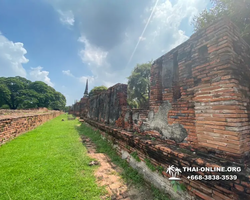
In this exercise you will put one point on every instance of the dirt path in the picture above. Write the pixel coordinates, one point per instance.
(108, 175)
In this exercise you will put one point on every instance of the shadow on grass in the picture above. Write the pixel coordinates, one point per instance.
(129, 174)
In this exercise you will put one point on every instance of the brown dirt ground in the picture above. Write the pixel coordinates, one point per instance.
(108, 175)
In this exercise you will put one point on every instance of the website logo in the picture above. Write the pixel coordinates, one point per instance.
(173, 172)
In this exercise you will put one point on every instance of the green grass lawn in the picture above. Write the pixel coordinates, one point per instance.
(47, 163)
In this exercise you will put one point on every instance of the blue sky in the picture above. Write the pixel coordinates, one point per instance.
(63, 42)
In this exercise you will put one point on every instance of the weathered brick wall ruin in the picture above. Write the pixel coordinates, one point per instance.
(15, 122)
(198, 115)
(107, 106)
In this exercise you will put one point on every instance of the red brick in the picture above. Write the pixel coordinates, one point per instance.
(239, 187)
(201, 195)
(199, 161)
(245, 184)
(228, 149)
(223, 189)
(219, 196)
(226, 132)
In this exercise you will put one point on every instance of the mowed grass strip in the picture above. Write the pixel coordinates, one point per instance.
(48, 162)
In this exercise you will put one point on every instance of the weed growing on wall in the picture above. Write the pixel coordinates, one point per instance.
(150, 165)
(178, 186)
(135, 156)
(160, 169)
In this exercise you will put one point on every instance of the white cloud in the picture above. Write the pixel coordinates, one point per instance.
(163, 34)
(66, 17)
(67, 72)
(96, 59)
(12, 56)
(36, 74)
(109, 84)
(109, 38)
(83, 79)
(142, 38)
(92, 54)
(167, 20)
(179, 38)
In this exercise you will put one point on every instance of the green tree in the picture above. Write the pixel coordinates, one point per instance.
(44, 93)
(97, 89)
(59, 102)
(139, 86)
(67, 108)
(237, 11)
(5, 106)
(30, 100)
(17, 92)
(11, 91)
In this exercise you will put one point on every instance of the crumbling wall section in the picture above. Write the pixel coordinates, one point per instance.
(109, 105)
(84, 105)
(206, 82)
(75, 109)
(199, 96)
(198, 112)
(222, 95)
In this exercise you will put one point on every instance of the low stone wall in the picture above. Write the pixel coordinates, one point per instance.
(13, 125)
(162, 154)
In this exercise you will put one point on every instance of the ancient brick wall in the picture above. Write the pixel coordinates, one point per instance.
(107, 106)
(205, 80)
(75, 109)
(15, 124)
(198, 115)
(84, 105)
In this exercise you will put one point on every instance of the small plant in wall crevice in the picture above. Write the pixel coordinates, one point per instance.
(160, 169)
(178, 186)
(136, 133)
(149, 164)
(135, 156)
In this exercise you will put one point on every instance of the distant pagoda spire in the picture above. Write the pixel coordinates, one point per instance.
(86, 93)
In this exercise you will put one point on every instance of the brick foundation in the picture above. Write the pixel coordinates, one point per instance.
(163, 154)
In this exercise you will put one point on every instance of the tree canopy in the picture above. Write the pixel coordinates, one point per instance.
(236, 10)
(20, 93)
(97, 89)
(139, 86)
(67, 108)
